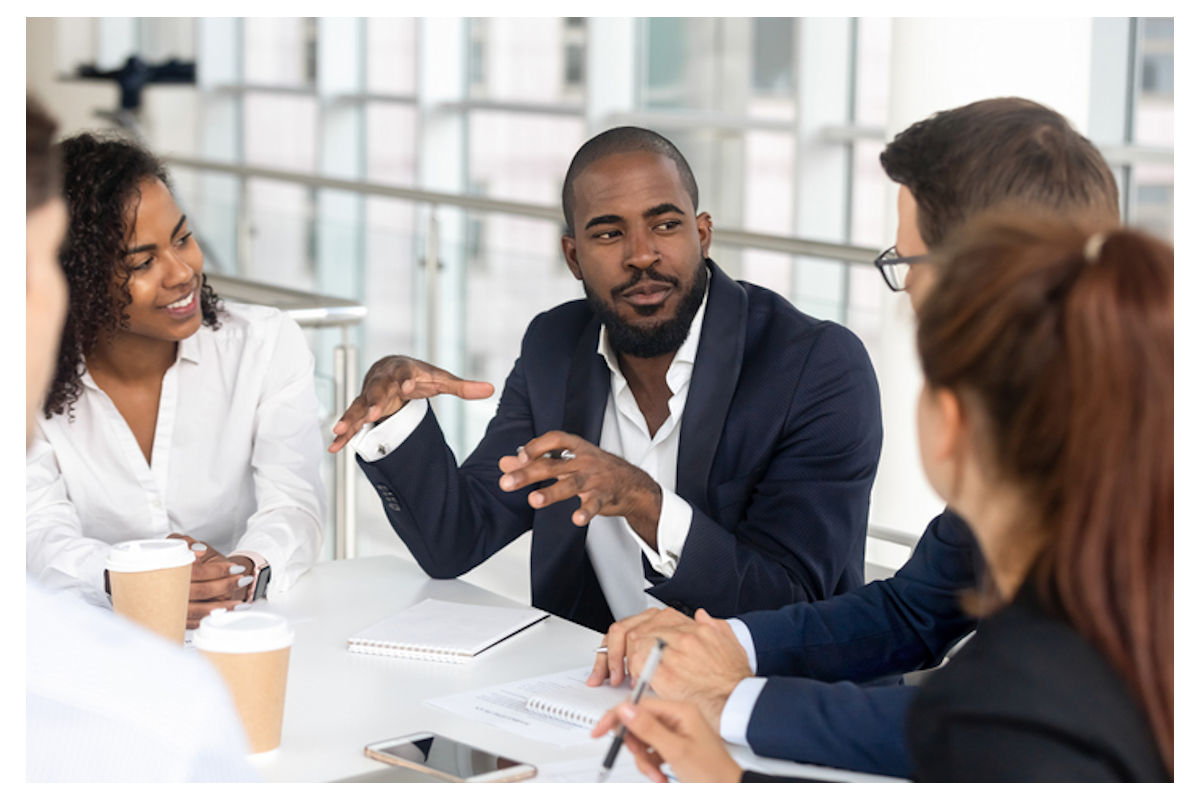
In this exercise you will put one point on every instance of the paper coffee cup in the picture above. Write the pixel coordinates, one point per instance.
(250, 649)
(150, 580)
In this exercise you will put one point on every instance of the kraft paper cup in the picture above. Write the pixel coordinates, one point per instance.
(150, 581)
(250, 649)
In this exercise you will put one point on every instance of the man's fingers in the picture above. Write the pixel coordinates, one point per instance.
(473, 390)
(599, 670)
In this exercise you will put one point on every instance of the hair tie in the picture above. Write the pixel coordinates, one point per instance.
(1093, 246)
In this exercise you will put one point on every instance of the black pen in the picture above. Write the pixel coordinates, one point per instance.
(638, 690)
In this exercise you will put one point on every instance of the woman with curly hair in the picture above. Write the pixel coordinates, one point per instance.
(170, 413)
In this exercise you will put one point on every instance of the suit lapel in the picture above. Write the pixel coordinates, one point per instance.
(588, 385)
(714, 377)
(572, 588)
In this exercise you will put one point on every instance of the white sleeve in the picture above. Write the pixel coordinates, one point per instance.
(674, 520)
(56, 551)
(285, 528)
(735, 717)
(745, 640)
(376, 440)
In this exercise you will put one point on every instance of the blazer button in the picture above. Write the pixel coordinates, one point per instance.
(394, 506)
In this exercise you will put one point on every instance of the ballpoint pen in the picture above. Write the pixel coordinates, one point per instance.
(638, 690)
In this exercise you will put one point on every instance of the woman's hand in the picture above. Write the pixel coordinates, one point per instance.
(663, 731)
(217, 581)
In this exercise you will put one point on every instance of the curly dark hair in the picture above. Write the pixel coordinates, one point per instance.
(101, 175)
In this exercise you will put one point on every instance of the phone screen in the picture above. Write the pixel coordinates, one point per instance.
(448, 756)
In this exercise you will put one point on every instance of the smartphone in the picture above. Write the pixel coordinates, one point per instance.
(448, 759)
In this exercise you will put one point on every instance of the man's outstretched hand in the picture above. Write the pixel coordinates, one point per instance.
(390, 383)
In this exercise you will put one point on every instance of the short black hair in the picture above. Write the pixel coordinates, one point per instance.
(1005, 151)
(626, 139)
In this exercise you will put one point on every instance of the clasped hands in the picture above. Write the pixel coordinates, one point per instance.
(605, 484)
(700, 667)
(218, 581)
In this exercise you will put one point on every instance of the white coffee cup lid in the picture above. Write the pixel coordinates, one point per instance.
(143, 555)
(243, 632)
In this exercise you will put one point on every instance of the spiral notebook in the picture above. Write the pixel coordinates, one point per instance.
(437, 630)
(567, 697)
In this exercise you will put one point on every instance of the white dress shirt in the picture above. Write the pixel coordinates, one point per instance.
(235, 460)
(735, 716)
(612, 546)
(108, 701)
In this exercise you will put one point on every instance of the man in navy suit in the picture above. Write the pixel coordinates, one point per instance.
(807, 703)
(677, 438)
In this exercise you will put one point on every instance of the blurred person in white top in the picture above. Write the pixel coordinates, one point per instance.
(169, 413)
(105, 700)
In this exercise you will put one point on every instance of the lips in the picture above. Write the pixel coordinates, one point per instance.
(648, 293)
(185, 305)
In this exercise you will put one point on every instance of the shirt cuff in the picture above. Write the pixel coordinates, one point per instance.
(745, 640)
(674, 521)
(376, 440)
(735, 717)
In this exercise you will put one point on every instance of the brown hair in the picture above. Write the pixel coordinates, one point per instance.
(1065, 342)
(1005, 151)
(42, 172)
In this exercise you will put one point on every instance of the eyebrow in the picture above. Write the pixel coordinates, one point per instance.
(661, 208)
(147, 247)
(611, 219)
(605, 219)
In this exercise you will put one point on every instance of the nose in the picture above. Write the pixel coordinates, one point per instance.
(180, 270)
(641, 249)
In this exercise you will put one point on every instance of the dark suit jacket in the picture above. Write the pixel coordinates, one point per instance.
(778, 447)
(810, 710)
(1029, 699)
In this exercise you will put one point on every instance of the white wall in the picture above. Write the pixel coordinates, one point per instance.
(938, 64)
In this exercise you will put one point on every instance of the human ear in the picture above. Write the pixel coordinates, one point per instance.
(704, 228)
(571, 254)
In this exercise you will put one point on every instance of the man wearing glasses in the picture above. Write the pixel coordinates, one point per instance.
(807, 703)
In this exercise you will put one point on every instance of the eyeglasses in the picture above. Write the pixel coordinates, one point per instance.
(894, 267)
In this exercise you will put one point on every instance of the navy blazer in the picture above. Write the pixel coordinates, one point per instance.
(778, 448)
(811, 709)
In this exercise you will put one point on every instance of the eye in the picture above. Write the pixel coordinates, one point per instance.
(606, 235)
(185, 240)
(141, 265)
(668, 225)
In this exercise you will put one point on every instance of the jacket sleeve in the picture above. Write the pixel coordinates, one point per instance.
(904, 623)
(451, 518)
(795, 527)
(839, 725)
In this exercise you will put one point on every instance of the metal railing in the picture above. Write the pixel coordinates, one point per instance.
(318, 311)
(313, 310)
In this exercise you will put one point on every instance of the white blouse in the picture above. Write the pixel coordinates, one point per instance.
(235, 460)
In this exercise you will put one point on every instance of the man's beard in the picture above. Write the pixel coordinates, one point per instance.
(666, 336)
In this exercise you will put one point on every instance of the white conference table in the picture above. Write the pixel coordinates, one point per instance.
(338, 701)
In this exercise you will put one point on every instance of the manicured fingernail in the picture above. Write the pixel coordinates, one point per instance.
(242, 606)
(245, 581)
(626, 712)
(236, 569)
(535, 499)
(506, 482)
(199, 547)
